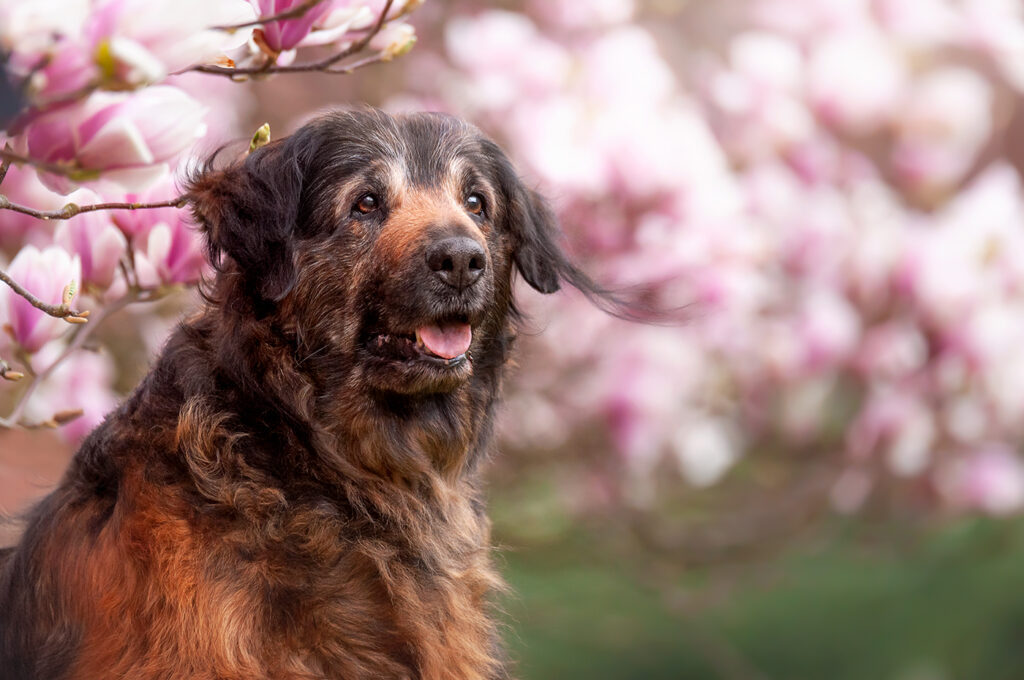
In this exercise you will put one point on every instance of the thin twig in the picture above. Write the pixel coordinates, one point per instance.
(72, 209)
(60, 311)
(294, 12)
(323, 65)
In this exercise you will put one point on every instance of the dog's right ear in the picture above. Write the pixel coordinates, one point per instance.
(248, 212)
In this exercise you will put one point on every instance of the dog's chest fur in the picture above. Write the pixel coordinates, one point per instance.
(285, 588)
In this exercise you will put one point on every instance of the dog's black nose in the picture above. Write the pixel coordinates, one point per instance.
(459, 261)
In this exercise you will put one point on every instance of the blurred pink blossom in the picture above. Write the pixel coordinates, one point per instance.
(62, 68)
(896, 424)
(394, 39)
(22, 186)
(119, 138)
(136, 224)
(990, 478)
(115, 44)
(583, 15)
(284, 34)
(97, 242)
(44, 274)
(167, 248)
(491, 48)
(82, 382)
(945, 119)
(855, 80)
(169, 253)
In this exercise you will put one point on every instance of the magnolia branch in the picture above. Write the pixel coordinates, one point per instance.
(72, 209)
(61, 311)
(324, 65)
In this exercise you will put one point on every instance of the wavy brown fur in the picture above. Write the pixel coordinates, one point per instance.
(274, 500)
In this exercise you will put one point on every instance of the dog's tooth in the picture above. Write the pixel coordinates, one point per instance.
(419, 340)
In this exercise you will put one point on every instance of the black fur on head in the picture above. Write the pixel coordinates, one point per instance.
(286, 226)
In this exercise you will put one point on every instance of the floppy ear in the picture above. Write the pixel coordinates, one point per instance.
(248, 212)
(532, 225)
(538, 258)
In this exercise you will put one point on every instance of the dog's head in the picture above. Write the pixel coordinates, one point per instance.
(389, 244)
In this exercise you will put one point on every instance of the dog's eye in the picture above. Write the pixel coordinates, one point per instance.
(367, 204)
(475, 204)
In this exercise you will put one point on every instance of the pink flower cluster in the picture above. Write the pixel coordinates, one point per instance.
(826, 198)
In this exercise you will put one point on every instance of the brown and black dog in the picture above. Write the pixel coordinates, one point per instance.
(293, 492)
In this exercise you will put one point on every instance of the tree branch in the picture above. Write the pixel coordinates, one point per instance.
(61, 311)
(323, 65)
(72, 209)
(294, 12)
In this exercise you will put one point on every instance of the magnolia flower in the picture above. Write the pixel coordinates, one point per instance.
(97, 242)
(82, 383)
(136, 224)
(167, 248)
(284, 34)
(169, 253)
(129, 139)
(45, 274)
(114, 44)
(394, 40)
(62, 68)
(135, 44)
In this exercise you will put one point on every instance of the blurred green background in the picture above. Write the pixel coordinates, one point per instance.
(849, 602)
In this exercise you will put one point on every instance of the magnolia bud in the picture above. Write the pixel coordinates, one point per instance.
(260, 138)
(69, 293)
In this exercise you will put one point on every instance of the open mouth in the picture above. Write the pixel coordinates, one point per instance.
(442, 343)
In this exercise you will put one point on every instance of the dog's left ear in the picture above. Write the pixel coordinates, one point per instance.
(249, 212)
(537, 256)
(531, 223)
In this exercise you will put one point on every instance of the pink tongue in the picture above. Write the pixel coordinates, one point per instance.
(447, 341)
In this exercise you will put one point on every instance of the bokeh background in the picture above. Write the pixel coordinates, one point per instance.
(818, 474)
